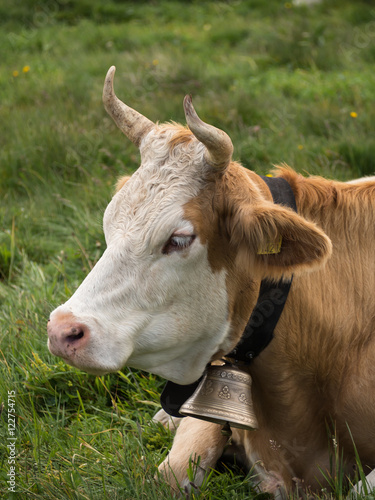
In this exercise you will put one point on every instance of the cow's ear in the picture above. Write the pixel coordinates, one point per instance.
(277, 240)
(121, 181)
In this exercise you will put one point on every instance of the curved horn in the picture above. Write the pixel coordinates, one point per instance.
(130, 122)
(219, 147)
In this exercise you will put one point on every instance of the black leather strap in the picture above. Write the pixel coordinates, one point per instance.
(175, 395)
(263, 320)
(281, 191)
(272, 295)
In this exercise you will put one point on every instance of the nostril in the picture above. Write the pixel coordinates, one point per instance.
(75, 334)
(67, 336)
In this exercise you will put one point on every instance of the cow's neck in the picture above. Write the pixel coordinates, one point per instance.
(258, 332)
(327, 310)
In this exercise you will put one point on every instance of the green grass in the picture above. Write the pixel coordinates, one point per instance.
(283, 81)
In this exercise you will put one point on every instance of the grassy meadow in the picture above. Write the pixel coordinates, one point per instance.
(288, 83)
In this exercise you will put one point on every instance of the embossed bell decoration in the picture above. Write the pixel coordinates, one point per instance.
(223, 396)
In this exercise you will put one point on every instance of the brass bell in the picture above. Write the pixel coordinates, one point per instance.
(223, 396)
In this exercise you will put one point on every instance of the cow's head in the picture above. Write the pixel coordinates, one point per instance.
(181, 270)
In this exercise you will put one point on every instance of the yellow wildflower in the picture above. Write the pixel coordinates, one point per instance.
(155, 62)
(25, 69)
(288, 5)
(300, 147)
(353, 114)
(15, 73)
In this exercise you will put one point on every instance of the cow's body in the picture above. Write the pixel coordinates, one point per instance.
(313, 387)
(180, 277)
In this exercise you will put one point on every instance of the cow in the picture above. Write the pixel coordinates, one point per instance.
(180, 276)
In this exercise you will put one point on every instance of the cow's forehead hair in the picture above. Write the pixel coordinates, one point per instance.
(172, 172)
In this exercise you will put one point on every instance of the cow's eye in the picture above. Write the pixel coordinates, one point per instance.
(178, 242)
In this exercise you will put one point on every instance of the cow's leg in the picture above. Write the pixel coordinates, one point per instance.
(166, 420)
(196, 447)
(266, 481)
(202, 443)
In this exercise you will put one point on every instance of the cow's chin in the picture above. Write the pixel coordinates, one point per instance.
(179, 370)
(174, 373)
(177, 378)
(91, 370)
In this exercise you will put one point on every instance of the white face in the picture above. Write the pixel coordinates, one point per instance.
(152, 301)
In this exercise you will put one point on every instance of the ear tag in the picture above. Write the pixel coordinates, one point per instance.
(271, 248)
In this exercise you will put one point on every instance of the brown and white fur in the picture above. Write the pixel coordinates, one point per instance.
(179, 278)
